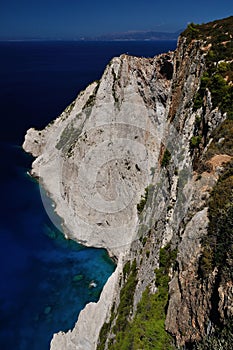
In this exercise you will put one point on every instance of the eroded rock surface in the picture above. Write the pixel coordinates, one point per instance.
(95, 159)
(121, 164)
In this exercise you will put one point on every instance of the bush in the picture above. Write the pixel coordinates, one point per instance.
(146, 197)
(195, 141)
(218, 248)
(166, 158)
(147, 330)
(142, 203)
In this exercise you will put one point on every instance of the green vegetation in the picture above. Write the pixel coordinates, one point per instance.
(142, 203)
(192, 31)
(167, 258)
(147, 330)
(91, 100)
(106, 328)
(221, 339)
(125, 307)
(126, 300)
(222, 140)
(217, 81)
(198, 101)
(222, 143)
(218, 33)
(126, 269)
(195, 141)
(218, 244)
(143, 240)
(144, 198)
(218, 76)
(166, 158)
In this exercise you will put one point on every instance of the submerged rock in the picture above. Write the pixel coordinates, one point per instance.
(47, 310)
(78, 278)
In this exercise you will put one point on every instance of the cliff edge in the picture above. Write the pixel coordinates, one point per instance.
(141, 164)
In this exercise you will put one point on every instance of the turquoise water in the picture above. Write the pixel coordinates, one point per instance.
(45, 279)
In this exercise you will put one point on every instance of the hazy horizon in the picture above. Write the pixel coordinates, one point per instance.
(62, 20)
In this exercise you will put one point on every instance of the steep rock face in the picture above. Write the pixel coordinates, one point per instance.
(95, 159)
(176, 213)
(124, 165)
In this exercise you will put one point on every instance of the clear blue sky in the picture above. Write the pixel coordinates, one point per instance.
(74, 18)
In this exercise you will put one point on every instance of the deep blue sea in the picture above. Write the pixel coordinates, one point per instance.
(44, 279)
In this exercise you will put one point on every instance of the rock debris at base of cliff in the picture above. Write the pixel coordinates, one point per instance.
(141, 164)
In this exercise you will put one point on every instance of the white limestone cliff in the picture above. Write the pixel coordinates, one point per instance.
(97, 159)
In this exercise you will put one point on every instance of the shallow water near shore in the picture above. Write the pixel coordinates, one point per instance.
(45, 279)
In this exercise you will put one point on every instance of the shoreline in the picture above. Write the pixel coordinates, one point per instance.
(104, 297)
(94, 160)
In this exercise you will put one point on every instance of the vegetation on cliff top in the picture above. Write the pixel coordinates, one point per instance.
(217, 37)
(217, 251)
(146, 330)
(217, 40)
(218, 79)
(218, 34)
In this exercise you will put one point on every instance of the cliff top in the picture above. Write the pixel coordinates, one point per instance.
(218, 34)
(218, 30)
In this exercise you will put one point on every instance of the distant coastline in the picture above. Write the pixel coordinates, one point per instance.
(124, 36)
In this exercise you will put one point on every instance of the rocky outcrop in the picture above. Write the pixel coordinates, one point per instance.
(125, 165)
(95, 159)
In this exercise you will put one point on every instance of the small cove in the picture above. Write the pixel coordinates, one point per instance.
(45, 279)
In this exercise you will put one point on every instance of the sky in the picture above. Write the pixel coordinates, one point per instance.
(72, 19)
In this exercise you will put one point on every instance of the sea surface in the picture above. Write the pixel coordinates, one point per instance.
(44, 278)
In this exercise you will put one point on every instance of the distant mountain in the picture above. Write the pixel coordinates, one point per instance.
(122, 36)
(136, 36)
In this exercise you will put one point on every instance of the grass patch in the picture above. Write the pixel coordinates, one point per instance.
(126, 299)
(147, 330)
(124, 309)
